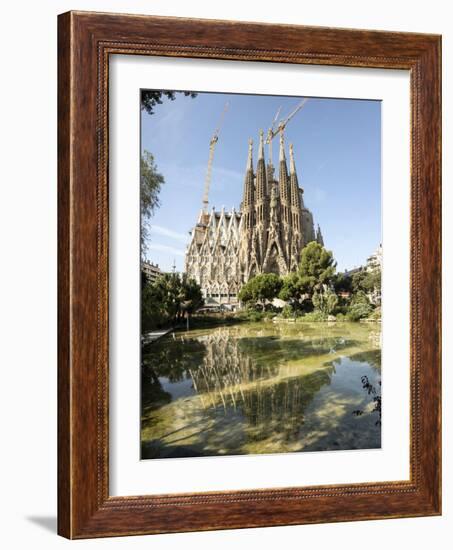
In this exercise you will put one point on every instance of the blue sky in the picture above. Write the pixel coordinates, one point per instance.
(337, 149)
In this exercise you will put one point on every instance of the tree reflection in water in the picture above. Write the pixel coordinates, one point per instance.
(255, 389)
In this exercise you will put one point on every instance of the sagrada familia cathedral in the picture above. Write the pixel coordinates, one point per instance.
(266, 235)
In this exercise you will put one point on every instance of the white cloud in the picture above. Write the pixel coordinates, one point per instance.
(163, 231)
(165, 248)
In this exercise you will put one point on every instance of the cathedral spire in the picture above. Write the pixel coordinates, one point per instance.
(295, 199)
(261, 179)
(292, 165)
(319, 237)
(293, 180)
(248, 198)
(250, 156)
(285, 199)
(283, 177)
(282, 147)
(261, 147)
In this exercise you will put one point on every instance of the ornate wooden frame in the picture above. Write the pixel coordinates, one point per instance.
(85, 41)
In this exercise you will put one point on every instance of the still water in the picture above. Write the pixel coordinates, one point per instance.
(262, 388)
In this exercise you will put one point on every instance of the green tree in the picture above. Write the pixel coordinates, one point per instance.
(317, 267)
(368, 282)
(361, 281)
(316, 272)
(293, 288)
(192, 296)
(245, 294)
(342, 283)
(360, 307)
(261, 288)
(151, 98)
(153, 313)
(325, 301)
(168, 300)
(170, 294)
(372, 280)
(150, 185)
(268, 286)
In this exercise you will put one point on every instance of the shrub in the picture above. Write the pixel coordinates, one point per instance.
(360, 307)
(314, 316)
(251, 315)
(358, 311)
(376, 314)
(287, 312)
(325, 301)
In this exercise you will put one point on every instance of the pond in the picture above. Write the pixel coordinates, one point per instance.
(264, 387)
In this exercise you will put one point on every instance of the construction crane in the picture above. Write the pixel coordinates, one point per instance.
(270, 133)
(281, 126)
(212, 144)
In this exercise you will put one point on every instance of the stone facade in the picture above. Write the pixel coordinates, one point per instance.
(266, 235)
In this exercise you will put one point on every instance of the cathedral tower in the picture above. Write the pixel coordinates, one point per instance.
(261, 206)
(296, 213)
(284, 187)
(266, 235)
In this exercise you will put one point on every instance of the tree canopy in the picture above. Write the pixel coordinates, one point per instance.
(293, 288)
(192, 296)
(366, 280)
(150, 184)
(342, 283)
(325, 302)
(360, 306)
(260, 288)
(169, 299)
(312, 289)
(317, 267)
(151, 98)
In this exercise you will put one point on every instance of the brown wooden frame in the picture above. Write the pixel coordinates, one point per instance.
(85, 41)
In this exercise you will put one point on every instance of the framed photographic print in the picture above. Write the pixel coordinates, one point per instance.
(249, 275)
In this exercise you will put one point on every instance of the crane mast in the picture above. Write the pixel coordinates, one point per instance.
(212, 144)
(272, 132)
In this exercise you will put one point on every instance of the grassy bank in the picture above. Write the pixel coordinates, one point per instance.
(202, 321)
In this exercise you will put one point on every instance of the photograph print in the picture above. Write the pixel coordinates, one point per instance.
(261, 262)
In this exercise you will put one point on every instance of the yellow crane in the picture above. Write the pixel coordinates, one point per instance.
(272, 132)
(212, 144)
